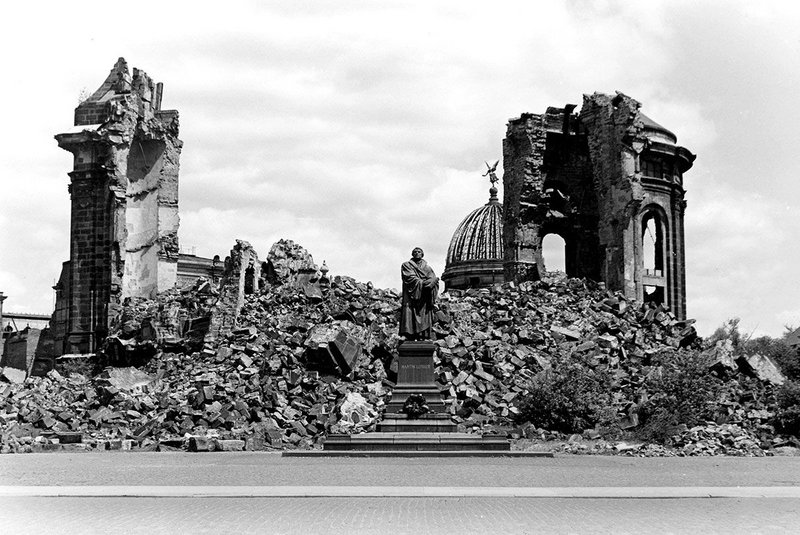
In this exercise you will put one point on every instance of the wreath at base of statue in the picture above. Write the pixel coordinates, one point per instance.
(415, 406)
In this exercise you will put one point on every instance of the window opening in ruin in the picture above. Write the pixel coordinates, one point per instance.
(474, 282)
(653, 245)
(249, 280)
(654, 294)
(653, 168)
(557, 200)
(554, 255)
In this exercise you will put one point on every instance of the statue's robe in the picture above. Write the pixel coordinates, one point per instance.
(420, 287)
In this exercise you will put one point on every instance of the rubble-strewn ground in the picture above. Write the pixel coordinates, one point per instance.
(309, 356)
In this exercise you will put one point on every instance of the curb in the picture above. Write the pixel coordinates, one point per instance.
(394, 492)
(414, 453)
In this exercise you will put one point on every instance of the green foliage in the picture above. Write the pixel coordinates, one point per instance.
(569, 397)
(683, 393)
(728, 331)
(786, 357)
(788, 413)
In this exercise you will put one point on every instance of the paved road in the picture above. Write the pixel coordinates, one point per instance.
(121, 468)
(397, 515)
(265, 494)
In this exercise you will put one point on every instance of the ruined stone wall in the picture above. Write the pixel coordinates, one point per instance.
(580, 176)
(124, 190)
(242, 276)
(523, 160)
(612, 132)
(569, 193)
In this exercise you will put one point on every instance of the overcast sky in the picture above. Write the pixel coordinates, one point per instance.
(359, 129)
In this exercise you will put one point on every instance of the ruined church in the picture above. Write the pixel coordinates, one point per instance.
(124, 217)
(608, 180)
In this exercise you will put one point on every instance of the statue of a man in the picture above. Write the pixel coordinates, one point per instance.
(420, 287)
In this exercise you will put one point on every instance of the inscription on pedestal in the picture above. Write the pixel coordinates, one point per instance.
(415, 370)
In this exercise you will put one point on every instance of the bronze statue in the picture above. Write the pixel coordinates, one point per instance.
(491, 172)
(420, 287)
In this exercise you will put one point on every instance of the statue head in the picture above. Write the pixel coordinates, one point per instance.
(417, 253)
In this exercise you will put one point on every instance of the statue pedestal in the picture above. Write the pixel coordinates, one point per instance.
(434, 431)
(415, 376)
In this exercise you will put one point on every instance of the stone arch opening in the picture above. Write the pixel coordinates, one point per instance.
(653, 243)
(554, 253)
(654, 255)
(249, 280)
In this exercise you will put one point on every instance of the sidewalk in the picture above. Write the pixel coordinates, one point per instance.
(322, 491)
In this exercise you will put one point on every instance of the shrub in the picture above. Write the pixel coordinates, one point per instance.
(728, 331)
(683, 393)
(569, 397)
(788, 413)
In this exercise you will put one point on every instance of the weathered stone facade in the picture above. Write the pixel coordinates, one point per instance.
(124, 192)
(606, 180)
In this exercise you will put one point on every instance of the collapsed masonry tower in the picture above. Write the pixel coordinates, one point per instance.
(609, 181)
(124, 217)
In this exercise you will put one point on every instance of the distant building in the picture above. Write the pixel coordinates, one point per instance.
(191, 267)
(18, 321)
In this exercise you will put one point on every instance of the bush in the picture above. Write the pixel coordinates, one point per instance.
(728, 331)
(788, 413)
(683, 393)
(569, 397)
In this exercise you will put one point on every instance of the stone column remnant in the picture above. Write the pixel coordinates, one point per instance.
(124, 191)
(241, 277)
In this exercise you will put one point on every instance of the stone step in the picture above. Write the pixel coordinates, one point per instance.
(401, 424)
(381, 441)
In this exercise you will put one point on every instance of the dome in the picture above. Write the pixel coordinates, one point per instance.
(656, 132)
(475, 255)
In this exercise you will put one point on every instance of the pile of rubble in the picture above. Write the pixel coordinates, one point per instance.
(283, 359)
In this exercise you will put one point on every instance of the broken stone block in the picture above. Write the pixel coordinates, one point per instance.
(761, 367)
(231, 445)
(569, 334)
(14, 375)
(721, 357)
(275, 438)
(199, 443)
(331, 347)
(124, 378)
(66, 437)
(285, 261)
(345, 350)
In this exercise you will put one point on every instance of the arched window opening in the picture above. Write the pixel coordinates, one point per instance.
(653, 245)
(554, 253)
(249, 280)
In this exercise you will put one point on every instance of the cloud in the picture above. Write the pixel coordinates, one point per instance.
(740, 257)
(360, 129)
